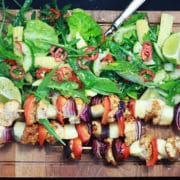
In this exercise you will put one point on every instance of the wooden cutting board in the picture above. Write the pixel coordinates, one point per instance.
(18, 160)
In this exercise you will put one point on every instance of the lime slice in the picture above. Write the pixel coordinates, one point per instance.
(171, 48)
(8, 90)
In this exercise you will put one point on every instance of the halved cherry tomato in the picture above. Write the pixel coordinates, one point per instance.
(76, 145)
(30, 106)
(131, 106)
(42, 133)
(40, 73)
(55, 12)
(121, 126)
(91, 57)
(107, 107)
(147, 72)
(154, 156)
(58, 53)
(17, 72)
(83, 132)
(60, 102)
(108, 58)
(125, 151)
(10, 62)
(146, 53)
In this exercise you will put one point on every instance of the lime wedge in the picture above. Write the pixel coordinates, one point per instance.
(8, 90)
(171, 48)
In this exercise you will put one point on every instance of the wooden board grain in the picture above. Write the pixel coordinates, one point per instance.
(18, 160)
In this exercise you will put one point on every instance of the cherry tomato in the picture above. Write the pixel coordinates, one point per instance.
(154, 156)
(146, 53)
(178, 66)
(40, 73)
(30, 109)
(83, 132)
(147, 72)
(107, 107)
(91, 57)
(17, 72)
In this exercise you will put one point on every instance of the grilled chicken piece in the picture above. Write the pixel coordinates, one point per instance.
(130, 131)
(173, 147)
(9, 112)
(167, 149)
(45, 110)
(114, 101)
(108, 152)
(155, 110)
(30, 135)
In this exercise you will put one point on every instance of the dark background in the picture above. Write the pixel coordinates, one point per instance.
(105, 4)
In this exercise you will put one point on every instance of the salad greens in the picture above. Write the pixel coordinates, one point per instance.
(82, 23)
(76, 39)
(36, 32)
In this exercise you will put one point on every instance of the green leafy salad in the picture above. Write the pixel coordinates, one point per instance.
(62, 50)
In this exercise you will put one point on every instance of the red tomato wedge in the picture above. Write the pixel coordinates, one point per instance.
(76, 147)
(42, 133)
(154, 156)
(60, 102)
(107, 107)
(83, 133)
(146, 53)
(30, 109)
(121, 126)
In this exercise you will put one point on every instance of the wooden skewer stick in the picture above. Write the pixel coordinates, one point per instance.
(20, 110)
(61, 147)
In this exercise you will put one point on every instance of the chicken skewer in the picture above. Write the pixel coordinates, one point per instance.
(113, 150)
(74, 110)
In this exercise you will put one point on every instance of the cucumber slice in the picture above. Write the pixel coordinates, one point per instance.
(137, 47)
(97, 65)
(28, 58)
(158, 51)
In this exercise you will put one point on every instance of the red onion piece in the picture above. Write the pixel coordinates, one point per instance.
(86, 113)
(177, 115)
(96, 100)
(5, 134)
(139, 129)
(69, 109)
(121, 109)
(99, 148)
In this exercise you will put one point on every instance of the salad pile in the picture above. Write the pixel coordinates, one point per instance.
(67, 52)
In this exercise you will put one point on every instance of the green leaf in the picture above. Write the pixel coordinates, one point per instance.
(82, 22)
(51, 131)
(132, 20)
(37, 33)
